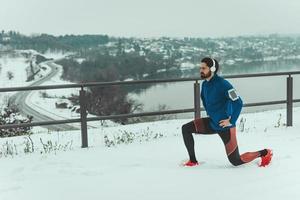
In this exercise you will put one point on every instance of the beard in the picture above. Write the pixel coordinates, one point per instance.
(204, 76)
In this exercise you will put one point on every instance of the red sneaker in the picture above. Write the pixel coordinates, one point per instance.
(190, 164)
(265, 160)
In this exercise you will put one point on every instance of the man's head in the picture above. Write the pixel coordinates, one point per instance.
(208, 67)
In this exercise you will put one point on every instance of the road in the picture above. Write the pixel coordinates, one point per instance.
(19, 100)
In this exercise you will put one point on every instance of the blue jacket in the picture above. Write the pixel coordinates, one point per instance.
(220, 102)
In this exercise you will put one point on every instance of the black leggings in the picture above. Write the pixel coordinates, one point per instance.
(201, 126)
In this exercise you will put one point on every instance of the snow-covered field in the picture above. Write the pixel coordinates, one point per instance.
(148, 166)
(16, 64)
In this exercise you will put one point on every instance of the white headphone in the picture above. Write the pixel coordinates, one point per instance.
(213, 68)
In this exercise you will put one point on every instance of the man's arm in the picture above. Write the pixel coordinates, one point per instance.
(234, 103)
(234, 106)
(203, 100)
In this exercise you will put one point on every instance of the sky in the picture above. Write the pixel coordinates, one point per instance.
(151, 18)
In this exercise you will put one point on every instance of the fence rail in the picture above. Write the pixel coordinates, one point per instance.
(197, 108)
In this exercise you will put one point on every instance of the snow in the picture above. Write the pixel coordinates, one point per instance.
(271, 58)
(16, 64)
(128, 79)
(145, 75)
(129, 50)
(161, 70)
(47, 106)
(187, 66)
(150, 169)
(146, 165)
(80, 60)
(229, 62)
(56, 54)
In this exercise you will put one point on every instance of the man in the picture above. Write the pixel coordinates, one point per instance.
(223, 106)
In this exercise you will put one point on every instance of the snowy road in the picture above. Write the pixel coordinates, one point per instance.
(19, 99)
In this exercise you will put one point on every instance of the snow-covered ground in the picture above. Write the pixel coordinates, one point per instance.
(148, 166)
(16, 63)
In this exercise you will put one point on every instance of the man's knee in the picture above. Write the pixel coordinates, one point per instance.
(186, 128)
(235, 160)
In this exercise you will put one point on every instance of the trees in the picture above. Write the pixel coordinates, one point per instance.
(110, 100)
(102, 100)
(11, 115)
(43, 42)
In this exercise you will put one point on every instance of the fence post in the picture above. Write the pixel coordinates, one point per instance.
(83, 114)
(289, 96)
(197, 99)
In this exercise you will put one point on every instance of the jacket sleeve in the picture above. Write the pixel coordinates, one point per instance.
(234, 103)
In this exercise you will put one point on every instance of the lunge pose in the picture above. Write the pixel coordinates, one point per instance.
(223, 106)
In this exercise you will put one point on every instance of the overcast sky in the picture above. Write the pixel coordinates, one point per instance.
(151, 18)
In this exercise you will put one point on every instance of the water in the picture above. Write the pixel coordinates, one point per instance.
(259, 89)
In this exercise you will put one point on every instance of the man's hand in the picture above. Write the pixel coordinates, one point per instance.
(225, 122)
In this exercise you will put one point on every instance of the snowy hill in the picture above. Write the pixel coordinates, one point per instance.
(147, 167)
